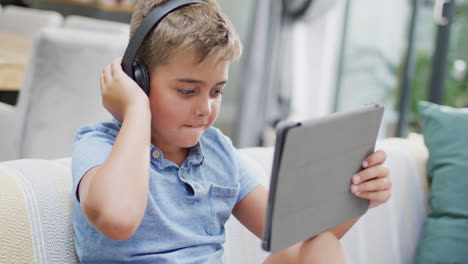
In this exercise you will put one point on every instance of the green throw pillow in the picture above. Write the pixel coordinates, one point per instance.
(445, 235)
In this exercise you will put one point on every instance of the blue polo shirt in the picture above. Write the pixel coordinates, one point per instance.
(187, 206)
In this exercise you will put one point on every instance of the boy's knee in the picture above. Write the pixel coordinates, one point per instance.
(325, 238)
(324, 246)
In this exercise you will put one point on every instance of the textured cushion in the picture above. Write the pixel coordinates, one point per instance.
(35, 212)
(445, 235)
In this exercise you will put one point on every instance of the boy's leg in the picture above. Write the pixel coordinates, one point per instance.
(323, 248)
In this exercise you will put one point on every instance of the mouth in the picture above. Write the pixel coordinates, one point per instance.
(195, 125)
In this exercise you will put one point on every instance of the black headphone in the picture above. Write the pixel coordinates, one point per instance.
(134, 67)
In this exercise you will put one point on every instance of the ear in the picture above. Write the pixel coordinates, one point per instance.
(142, 77)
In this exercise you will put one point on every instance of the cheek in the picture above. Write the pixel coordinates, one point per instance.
(215, 107)
(167, 112)
(162, 102)
(161, 111)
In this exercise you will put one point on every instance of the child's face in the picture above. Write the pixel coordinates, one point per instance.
(185, 98)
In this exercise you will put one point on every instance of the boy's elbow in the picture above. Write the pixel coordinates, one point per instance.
(114, 225)
(118, 230)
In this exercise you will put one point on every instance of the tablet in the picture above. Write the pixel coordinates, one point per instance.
(310, 183)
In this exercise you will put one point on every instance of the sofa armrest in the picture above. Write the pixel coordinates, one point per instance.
(414, 146)
(36, 212)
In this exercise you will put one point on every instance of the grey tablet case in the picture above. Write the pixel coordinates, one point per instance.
(311, 176)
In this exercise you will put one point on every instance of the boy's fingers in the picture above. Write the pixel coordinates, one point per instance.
(378, 157)
(116, 66)
(101, 80)
(379, 171)
(376, 198)
(378, 184)
(107, 75)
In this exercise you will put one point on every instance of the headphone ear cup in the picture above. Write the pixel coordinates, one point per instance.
(141, 75)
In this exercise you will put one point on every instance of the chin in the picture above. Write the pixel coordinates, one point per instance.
(188, 144)
(189, 141)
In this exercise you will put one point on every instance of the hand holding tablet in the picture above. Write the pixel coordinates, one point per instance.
(311, 177)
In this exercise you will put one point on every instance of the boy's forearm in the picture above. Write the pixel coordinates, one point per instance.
(119, 188)
(341, 230)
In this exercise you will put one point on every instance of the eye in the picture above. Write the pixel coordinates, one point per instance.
(217, 92)
(186, 91)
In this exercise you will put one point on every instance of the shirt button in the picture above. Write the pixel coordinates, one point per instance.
(156, 154)
(183, 175)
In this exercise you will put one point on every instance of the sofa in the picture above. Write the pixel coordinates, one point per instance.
(36, 211)
(58, 97)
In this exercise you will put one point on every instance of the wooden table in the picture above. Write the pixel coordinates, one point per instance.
(96, 5)
(14, 50)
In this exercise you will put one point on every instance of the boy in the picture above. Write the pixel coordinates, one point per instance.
(157, 183)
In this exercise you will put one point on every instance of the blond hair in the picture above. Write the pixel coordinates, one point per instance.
(203, 28)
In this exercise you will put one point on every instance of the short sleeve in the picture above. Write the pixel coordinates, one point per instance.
(91, 147)
(247, 178)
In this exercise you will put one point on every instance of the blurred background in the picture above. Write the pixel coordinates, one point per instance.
(302, 59)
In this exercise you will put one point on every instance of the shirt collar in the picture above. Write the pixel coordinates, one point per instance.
(195, 156)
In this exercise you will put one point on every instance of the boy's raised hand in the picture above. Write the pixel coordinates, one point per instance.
(120, 93)
(373, 182)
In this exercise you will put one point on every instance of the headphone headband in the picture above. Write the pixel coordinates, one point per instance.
(145, 27)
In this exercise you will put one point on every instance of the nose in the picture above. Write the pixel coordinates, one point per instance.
(203, 107)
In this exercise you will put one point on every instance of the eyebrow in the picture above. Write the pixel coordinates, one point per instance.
(190, 80)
